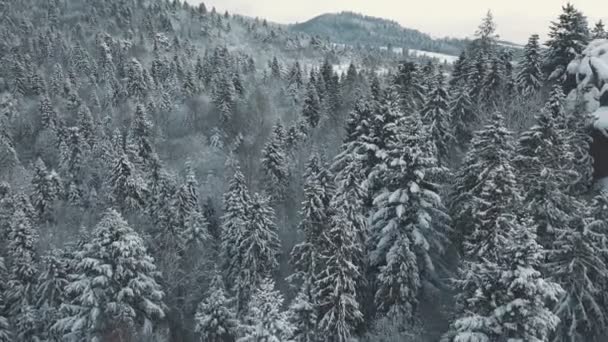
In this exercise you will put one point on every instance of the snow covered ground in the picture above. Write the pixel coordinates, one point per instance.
(442, 57)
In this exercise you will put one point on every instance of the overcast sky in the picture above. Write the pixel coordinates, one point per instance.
(516, 19)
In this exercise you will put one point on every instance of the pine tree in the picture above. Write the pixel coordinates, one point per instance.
(48, 116)
(50, 292)
(506, 298)
(136, 82)
(274, 163)
(257, 250)
(568, 35)
(435, 116)
(86, 125)
(409, 220)
(485, 189)
(599, 31)
(128, 191)
(46, 190)
(264, 320)
(410, 87)
(339, 313)
(530, 76)
(312, 106)
(462, 115)
(214, 320)
(576, 262)
(303, 315)
(318, 191)
(113, 290)
(237, 204)
(23, 274)
(141, 135)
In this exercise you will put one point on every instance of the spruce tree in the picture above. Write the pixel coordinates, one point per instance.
(46, 188)
(257, 250)
(113, 290)
(530, 76)
(599, 31)
(435, 116)
(274, 163)
(339, 312)
(214, 320)
(462, 115)
(50, 292)
(264, 320)
(506, 298)
(237, 204)
(568, 36)
(576, 262)
(303, 314)
(23, 276)
(485, 188)
(312, 106)
(318, 191)
(410, 224)
(128, 191)
(141, 135)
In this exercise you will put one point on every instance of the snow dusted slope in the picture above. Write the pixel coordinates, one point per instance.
(443, 58)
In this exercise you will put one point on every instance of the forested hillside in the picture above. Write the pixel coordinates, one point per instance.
(170, 173)
(356, 29)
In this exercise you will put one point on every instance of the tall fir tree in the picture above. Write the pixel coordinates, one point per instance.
(410, 224)
(257, 250)
(530, 76)
(435, 115)
(568, 36)
(274, 163)
(23, 276)
(462, 114)
(339, 311)
(599, 31)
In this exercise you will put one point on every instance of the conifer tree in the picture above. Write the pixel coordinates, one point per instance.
(318, 191)
(23, 274)
(46, 190)
(485, 189)
(86, 125)
(136, 82)
(568, 35)
(50, 292)
(435, 116)
(576, 263)
(274, 163)
(127, 188)
(462, 114)
(257, 250)
(530, 77)
(410, 224)
(113, 290)
(506, 298)
(599, 31)
(237, 204)
(214, 320)
(312, 106)
(410, 87)
(339, 312)
(141, 134)
(264, 320)
(303, 314)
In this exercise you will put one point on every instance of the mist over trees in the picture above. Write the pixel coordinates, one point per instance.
(169, 172)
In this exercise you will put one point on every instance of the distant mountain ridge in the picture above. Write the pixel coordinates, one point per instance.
(357, 29)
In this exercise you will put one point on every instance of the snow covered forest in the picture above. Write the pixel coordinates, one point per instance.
(172, 173)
